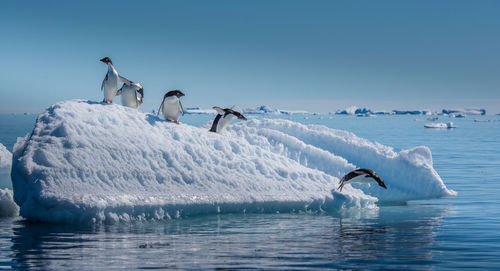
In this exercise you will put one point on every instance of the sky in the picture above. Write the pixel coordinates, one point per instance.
(318, 56)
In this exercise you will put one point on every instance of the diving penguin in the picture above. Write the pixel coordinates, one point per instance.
(110, 83)
(361, 175)
(223, 118)
(171, 106)
(129, 94)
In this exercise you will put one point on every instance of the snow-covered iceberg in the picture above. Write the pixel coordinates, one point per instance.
(91, 162)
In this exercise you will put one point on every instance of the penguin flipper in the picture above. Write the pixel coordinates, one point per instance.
(124, 80)
(219, 110)
(102, 85)
(182, 109)
(160, 108)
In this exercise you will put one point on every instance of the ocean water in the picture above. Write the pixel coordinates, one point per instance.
(444, 234)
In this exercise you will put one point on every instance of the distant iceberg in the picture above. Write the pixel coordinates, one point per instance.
(197, 110)
(464, 112)
(413, 112)
(88, 162)
(440, 125)
(353, 110)
(263, 109)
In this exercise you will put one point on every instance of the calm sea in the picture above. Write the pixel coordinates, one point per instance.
(444, 234)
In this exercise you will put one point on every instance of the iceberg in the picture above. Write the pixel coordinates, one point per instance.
(353, 110)
(5, 166)
(263, 109)
(197, 110)
(88, 162)
(412, 112)
(440, 125)
(464, 112)
(7, 205)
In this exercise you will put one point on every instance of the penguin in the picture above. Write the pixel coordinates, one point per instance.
(223, 118)
(110, 83)
(171, 106)
(361, 175)
(129, 94)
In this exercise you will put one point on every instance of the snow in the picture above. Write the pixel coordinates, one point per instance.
(88, 162)
(440, 125)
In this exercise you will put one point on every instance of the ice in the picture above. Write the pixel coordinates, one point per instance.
(7, 205)
(263, 109)
(5, 166)
(440, 125)
(197, 110)
(353, 110)
(464, 112)
(88, 162)
(409, 174)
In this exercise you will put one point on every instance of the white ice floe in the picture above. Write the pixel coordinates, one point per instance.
(91, 162)
(440, 125)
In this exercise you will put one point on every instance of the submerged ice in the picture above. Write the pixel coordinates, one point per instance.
(91, 162)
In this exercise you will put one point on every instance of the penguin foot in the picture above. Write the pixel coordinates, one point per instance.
(177, 122)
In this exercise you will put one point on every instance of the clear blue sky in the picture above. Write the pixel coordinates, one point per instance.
(313, 55)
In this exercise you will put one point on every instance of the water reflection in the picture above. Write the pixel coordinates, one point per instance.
(391, 237)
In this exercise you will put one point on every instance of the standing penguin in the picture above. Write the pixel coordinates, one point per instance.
(129, 94)
(223, 118)
(171, 106)
(110, 83)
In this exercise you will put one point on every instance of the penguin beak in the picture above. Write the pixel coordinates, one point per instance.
(382, 184)
(103, 60)
(242, 117)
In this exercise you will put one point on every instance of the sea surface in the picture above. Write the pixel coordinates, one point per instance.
(462, 232)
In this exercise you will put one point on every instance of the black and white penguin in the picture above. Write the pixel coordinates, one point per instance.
(110, 83)
(129, 94)
(171, 106)
(361, 175)
(223, 118)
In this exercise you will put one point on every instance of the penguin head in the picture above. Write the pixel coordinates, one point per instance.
(176, 93)
(106, 60)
